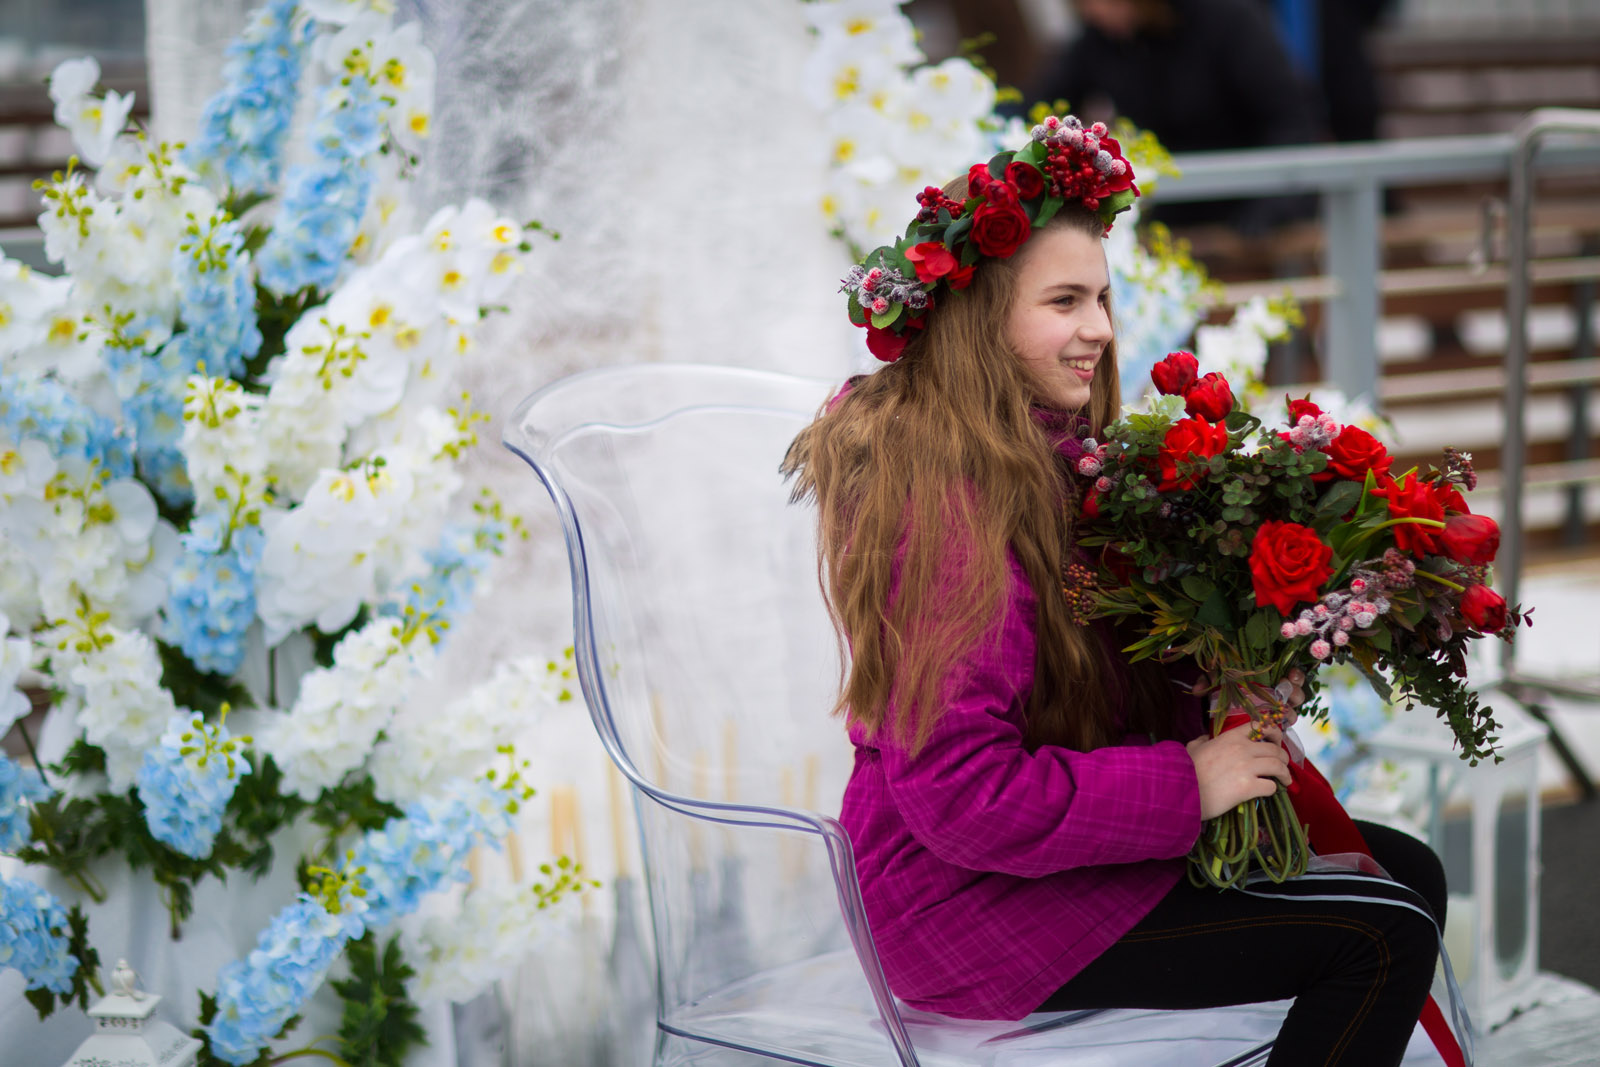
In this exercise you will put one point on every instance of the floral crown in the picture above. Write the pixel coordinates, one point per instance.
(892, 289)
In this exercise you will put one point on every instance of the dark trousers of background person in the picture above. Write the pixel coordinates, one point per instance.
(1359, 970)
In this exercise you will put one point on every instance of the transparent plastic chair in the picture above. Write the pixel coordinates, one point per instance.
(709, 665)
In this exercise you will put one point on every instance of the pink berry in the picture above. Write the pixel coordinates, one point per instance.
(1320, 649)
(1288, 630)
(1341, 638)
(1302, 626)
(1103, 484)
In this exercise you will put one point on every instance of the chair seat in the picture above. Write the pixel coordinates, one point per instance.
(793, 1012)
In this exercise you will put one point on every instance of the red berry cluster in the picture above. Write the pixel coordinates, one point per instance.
(932, 199)
(1073, 175)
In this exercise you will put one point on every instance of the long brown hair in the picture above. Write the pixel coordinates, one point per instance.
(937, 459)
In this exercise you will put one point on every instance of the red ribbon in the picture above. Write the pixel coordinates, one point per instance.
(1330, 830)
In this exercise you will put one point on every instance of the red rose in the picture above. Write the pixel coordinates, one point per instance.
(1413, 499)
(1484, 608)
(999, 229)
(1288, 564)
(1209, 398)
(1470, 539)
(1174, 374)
(1186, 438)
(886, 344)
(1027, 179)
(1353, 453)
(1298, 408)
(932, 260)
(978, 177)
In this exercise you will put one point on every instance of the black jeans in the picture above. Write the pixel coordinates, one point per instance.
(1359, 970)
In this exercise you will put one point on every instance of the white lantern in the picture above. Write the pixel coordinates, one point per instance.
(1492, 929)
(125, 1035)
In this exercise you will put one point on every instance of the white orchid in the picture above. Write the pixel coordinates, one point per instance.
(875, 26)
(93, 122)
(954, 89)
(28, 300)
(222, 442)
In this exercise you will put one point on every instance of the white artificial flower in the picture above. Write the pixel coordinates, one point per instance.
(341, 710)
(68, 345)
(954, 89)
(222, 432)
(19, 588)
(424, 750)
(341, 12)
(840, 71)
(125, 708)
(28, 299)
(73, 79)
(93, 122)
(403, 70)
(317, 563)
(389, 211)
(458, 955)
(873, 26)
(303, 434)
(16, 653)
(858, 139)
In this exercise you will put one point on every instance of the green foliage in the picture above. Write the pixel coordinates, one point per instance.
(379, 1025)
(196, 689)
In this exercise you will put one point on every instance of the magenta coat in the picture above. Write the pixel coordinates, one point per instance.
(991, 875)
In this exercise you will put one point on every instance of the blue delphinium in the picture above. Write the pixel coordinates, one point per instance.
(256, 996)
(324, 200)
(243, 127)
(427, 848)
(186, 781)
(457, 562)
(33, 936)
(156, 410)
(45, 410)
(212, 592)
(19, 787)
(216, 297)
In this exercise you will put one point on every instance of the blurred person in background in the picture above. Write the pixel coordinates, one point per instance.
(1203, 76)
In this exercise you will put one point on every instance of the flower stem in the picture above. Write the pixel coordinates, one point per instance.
(33, 753)
(1420, 573)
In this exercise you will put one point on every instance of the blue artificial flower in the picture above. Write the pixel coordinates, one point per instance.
(324, 200)
(19, 787)
(257, 995)
(185, 783)
(243, 127)
(33, 936)
(217, 300)
(43, 409)
(427, 848)
(458, 562)
(212, 592)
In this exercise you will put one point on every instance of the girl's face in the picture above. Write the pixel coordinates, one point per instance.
(1060, 321)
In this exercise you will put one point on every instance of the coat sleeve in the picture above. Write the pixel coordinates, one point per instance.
(977, 798)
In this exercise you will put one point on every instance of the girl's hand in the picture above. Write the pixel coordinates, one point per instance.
(1232, 768)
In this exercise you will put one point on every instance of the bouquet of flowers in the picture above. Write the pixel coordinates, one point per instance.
(231, 477)
(1266, 553)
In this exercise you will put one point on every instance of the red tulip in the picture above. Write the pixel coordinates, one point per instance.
(1175, 374)
(1484, 608)
(1470, 539)
(1209, 398)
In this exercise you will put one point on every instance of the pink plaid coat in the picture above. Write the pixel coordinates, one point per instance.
(991, 875)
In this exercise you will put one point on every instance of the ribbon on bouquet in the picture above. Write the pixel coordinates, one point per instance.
(1331, 831)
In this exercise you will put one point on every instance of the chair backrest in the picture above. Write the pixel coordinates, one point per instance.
(709, 666)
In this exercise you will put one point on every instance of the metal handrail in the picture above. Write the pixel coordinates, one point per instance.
(1350, 178)
(1529, 134)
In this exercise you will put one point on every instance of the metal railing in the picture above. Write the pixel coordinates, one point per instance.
(1351, 179)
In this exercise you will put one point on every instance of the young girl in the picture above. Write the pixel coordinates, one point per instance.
(1023, 797)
